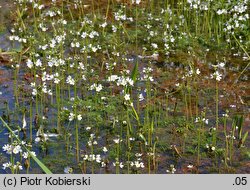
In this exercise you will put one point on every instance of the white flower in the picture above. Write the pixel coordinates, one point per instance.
(6, 147)
(221, 65)
(216, 75)
(197, 119)
(112, 78)
(198, 71)
(94, 49)
(177, 84)
(137, 164)
(77, 44)
(85, 157)
(17, 149)
(205, 120)
(71, 116)
(88, 128)
(79, 117)
(99, 88)
(103, 98)
(38, 63)
(136, 2)
(16, 38)
(34, 92)
(213, 148)
(56, 80)
(53, 43)
(92, 157)
(225, 115)
(117, 140)
(72, 44)
(29, 63)
(32, 84)
(172, 169)
(70, 80)
(84, 77)
(64, 22)
(33, 153)
(151, 78)
(92, 135)
(141, 98)
(154, 45)
(127, 97)
(104, 25)
(37, 139)
(142, 164)
(25, 155)
(138, 154)
(103, 164)
(121, 165)
(90, 143)
(105, 149)
(98, 158)
(130, 81)
(114, 29)
(6, 165)
(221, 11)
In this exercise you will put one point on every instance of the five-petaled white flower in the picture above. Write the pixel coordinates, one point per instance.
(127, 97)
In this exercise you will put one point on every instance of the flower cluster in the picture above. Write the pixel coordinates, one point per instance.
(171, 170)
(15, 149)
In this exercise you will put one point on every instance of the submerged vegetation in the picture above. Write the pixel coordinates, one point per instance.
(126, 86)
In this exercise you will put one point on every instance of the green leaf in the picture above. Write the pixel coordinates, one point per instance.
(142, 137)
(244, 137)
(152, 126)
(135, 72)
(240, 126)
(133, 75)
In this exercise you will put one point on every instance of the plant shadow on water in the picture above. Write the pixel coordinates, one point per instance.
(124, 87)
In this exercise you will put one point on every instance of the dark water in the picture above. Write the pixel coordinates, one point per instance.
(55, 157)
